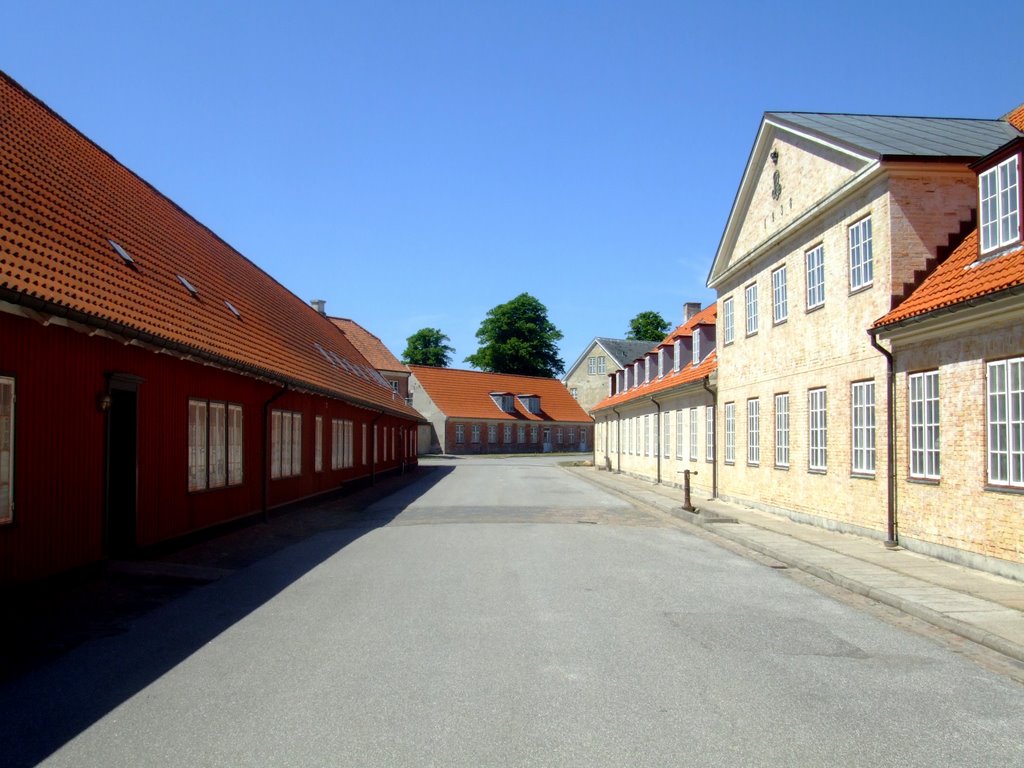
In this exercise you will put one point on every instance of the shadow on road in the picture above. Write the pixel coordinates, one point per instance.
(130, 627)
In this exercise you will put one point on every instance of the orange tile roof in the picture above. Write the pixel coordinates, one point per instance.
(1016, 118)
(370, 346)
(467, 394)
(685, 375)
(960, 278)
(62, 198)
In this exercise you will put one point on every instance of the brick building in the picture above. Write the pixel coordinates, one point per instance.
(836, 221)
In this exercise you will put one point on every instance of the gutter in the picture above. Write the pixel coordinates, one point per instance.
(705, 382)
(891, 526)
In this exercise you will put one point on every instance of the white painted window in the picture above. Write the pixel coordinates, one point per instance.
(730, 433)
(861, 261)
(591, 366)
(728, 320)
(679, 433)
(507, 433)
(1006, 422)
(7, 449)
(753, 431)
(492, 433)
(780, 301)
(342, 443)
(782, 430)
(522, 434)
(318, 444)
(694, 429)
(862, 413)
(817, 404)
(571, 435)
(601, 364)
(1000, 205)
(647, 434)
(533, 434)
(214, 444)
(816, 277)
(666, 431)
(285, 444)
(365, 456)
(475, 433)
(709, 433)
(460, 433)
(574, 393)
(750, 294)
(558, 436)
(924, 424)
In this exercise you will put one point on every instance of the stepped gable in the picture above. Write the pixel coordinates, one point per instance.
(85, 239)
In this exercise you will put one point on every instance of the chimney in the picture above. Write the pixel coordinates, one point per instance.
(320, 305)
(690, 309)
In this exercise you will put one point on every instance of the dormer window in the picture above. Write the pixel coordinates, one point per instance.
(530, 402)
(505, 401)
(696, 347)
(999, 190)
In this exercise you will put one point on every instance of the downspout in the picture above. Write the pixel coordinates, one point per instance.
(618, 441)
(891, 525)
(265, 505)
(658, 437)
(714, 435)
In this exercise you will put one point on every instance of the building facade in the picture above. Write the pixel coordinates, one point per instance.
(838, 218)
(153, 381)
(376, 353)
(587, 379)
(473, 412)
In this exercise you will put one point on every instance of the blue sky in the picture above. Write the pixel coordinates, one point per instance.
(417, 163)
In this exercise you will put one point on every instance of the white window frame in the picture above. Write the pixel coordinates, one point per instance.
(285, 444)
(215, 445)
(730, 433)
(1005, 417)
(601, 365)
(666, 438)
(342, 444)
(753, 431)
(923, 404)
(728, 321)
(492, 434)
(521, 434)
(318, 444)
(862, 268)
(780, 301)
(709, 436)
(591, 366)
(862, 427)
(693, 434)
(817, 428)
(460, 434)
(782, 430)
(475, 434)
(815, 262)
(679, 434)
(506, 434)
(647, 434)
(999, 205)
(7, 416)
(750, 302)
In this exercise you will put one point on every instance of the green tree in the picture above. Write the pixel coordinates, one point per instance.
(648, 326)
(517, 337)
(428, 346)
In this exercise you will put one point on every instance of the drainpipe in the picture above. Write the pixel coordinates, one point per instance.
(618, 441)
(265, 505)
(891, 526)
(706, 381)
(658, 438)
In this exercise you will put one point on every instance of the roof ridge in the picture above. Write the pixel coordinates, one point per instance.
(895, 117)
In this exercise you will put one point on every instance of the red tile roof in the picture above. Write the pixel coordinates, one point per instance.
(960, 278)
(686, 375)
(370, 346)
(1016, 118)
(467, 394)
(62, 198)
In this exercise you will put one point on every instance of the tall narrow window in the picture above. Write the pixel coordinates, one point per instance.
(730, 433)
(1000, 205)
(197, 446)
(218, 445)
(861, 262)
(750, 295)
(782, 430)
(728, 321)
(214, 444)
(816, 277)
(817, 458)
(709, 436)
(476, 433)
(285, 444)
(924, 425)
(694, 429)
(521, 434)
(780, 302)
(666, 436)
(507, 433)
(318, 444)
(6, 449)
(679, 433)
(753, 431)
(235, 435)
(460, 433)
(862, 413)
(1006, 422)
(647, 434)
(492, 433)
(365, 457)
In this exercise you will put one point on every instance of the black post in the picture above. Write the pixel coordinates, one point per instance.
(687, 505)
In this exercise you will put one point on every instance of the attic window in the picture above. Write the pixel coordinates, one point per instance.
(323, 352)
(530, 403)
(232, 309)
(188, 286)
(506, 402)
(1000, 205)
(123, 254)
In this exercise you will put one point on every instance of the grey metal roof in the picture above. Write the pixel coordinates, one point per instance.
(886, 136)
(625, 351)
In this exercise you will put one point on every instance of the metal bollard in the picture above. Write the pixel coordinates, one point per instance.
(687, 505)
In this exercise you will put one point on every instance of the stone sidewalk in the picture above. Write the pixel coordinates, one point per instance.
(984, 608)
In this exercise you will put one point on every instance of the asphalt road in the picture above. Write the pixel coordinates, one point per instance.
(506, 613)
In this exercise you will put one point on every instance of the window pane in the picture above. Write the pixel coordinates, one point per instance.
(218, 445)
(197, 445)
(235, 464)
(7, 449)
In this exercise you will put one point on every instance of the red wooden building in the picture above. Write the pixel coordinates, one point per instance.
(153, 381)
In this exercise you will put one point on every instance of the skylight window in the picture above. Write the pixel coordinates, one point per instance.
(188, 286)
(232, 309)
(323, 352)
(123, 254)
